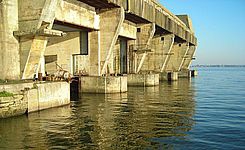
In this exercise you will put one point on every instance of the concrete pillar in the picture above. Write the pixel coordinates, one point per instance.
(144, 80)
(184, 73)
(42, 66)
(94, 56)
(9, 46)
(168, 76)
(111, 22)
(193, 73)
(31, 62)
(104, 84)
(116, 58)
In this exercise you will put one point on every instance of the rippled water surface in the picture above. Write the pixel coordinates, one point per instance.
(207, 112)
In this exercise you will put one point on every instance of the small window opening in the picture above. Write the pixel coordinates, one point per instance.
(138, 30)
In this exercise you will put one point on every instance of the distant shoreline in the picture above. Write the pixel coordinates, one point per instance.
(218, 66)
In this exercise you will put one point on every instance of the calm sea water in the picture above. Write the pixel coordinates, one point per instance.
(207, 112)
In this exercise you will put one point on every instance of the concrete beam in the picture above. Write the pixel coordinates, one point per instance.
(111, 22)
(41, 32)
(128, 30)
(77, 13)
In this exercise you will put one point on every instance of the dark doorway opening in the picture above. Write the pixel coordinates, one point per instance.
(123, 56)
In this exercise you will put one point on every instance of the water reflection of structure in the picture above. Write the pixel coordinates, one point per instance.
(36, 131)
(141, 118)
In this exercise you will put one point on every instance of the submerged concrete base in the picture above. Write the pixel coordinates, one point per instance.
(193, 73)
(103, 84)
(185, 74)
(48, 95)
(143, 79)
(169, 76)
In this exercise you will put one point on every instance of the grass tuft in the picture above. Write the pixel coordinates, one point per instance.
(6, 94)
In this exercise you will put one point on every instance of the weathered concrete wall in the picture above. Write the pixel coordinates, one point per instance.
(109, 33)
(188, 58)
(142, 8)
(179, 51)
(184, 73)
(29, 14)
(12, 106)
(143, 45)
(107, 84)
(116, 57)
(64, 48)
(33, 14)
(169, 76)
(161, 46)
(143, 79)
(15, 88)
(186, 19)
(77, 13)
(128, 30)
(154, 12)
(48, 95)
(52, 94)
(9, 48)
(32, 46)
(39, 97)
(32, 49)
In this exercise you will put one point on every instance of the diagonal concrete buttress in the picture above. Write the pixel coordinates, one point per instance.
(33, 48)
(144, 39)
(178, 52)
(183, 54)
(111, 22)
(168, 54)
(188, 58)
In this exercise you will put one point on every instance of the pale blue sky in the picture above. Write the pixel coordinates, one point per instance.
(219, 27)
